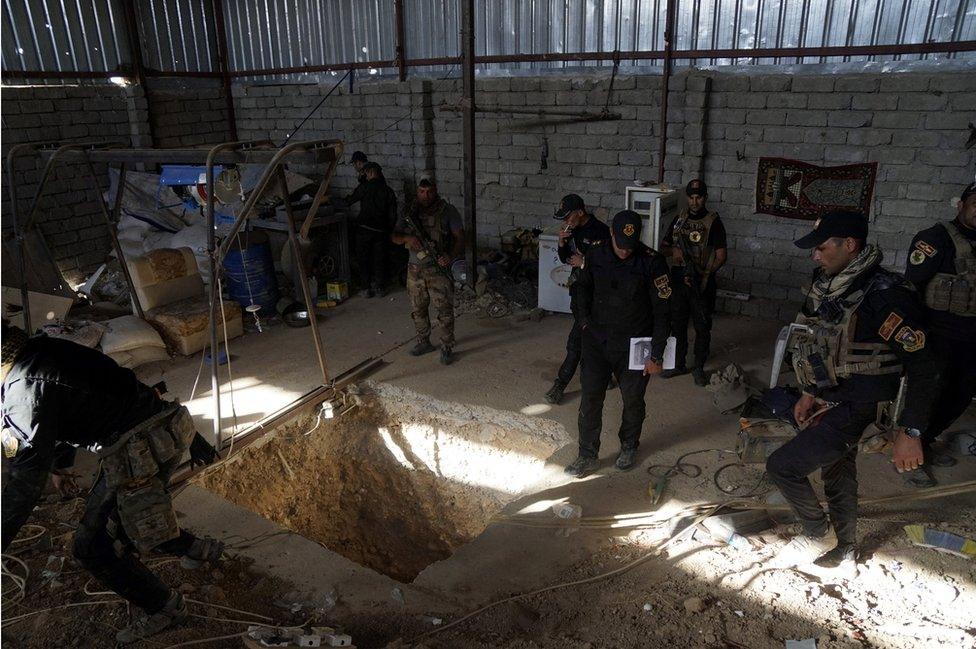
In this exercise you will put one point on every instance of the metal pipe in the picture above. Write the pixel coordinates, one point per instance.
(113, 234)
(541, 112)
(296, 252)
(468, 134)
(19, 234)
(665, 80)
(223, 63)
(400, 39)
(215, 296)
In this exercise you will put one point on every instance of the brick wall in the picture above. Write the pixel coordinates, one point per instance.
(914, 124)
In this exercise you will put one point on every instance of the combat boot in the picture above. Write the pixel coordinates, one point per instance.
(447, 356)
(626, 459)
(676, 371)
(698, 373)
(555, 393)
(173, 614)
(422, 347)
(203, 550)
(582, 466)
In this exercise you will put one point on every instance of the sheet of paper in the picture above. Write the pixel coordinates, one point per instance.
(640, 351)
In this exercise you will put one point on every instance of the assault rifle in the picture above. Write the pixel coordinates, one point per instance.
(427, 247)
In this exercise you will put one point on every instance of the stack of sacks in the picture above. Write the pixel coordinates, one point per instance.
(132, 342)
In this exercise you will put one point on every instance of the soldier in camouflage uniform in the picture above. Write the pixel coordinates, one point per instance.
(433, 233)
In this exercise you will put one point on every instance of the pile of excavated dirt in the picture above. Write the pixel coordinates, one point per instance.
(396, 484)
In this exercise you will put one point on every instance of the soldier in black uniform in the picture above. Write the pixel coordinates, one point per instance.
(58, 396)
(581, 231)
(377, 216)
(942, 266)
(696, 248)
(623, 292)
(865, 332)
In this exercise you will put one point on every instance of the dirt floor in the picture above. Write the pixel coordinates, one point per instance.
(696, 593)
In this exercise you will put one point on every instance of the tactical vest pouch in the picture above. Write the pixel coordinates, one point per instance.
(952, 293)
(147, 514)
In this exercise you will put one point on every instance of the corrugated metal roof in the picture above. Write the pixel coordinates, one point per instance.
(178, 35)
(63, 35)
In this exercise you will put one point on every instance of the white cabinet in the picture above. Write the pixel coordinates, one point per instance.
(657, 206)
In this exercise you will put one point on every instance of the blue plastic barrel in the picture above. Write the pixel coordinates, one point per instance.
(250, 273)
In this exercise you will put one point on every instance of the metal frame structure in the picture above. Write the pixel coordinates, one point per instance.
(310, 152)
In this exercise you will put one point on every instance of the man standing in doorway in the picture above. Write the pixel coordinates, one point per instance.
(623, 293)
(942, 266)
(432, 231)
(580, 231)
(696, 248)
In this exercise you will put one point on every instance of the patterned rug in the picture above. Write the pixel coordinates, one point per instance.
(804, 191)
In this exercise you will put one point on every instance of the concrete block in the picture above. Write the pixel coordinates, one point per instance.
(753, 100)
(963, 101)
(725, 82)
(806, 118)
(875, 102)
(904, 82)
(727, 116)
(924, 101)
(770, 83)
(786, 100)
(811, 83)
(844, 154)
(823, 101)
(942, 158)
(602, 157)
(770, 117)
(782, 134)
(849, 119)
(917, 139)
(870, 137)
(857, 83)
(898, 120)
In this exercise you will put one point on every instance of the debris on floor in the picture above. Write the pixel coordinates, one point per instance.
(941, 540)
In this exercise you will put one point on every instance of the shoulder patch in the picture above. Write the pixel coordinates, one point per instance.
(911, 339)
(889, 325)
(663, 287)
(927, 249)
(917, 257)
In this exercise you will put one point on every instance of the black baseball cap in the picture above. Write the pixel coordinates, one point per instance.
(696, 187)
(626, 229)
(969, 191)
(359, 156)
(372, 166)
(836, 223)
(569, 203)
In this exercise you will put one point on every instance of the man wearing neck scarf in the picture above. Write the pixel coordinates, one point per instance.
(942, 266)
(862, 332)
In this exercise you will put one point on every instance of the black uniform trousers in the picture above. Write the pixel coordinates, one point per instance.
(831, 446)
(371, 252)
(958, 384)
(574, 348)
(119, 570)
(600, 361)
(685, 306)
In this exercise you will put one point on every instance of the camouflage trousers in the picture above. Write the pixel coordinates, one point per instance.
(427, 285)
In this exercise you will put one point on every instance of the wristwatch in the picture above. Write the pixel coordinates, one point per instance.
(913, 433)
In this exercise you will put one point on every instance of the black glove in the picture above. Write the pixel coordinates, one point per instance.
(201, 451)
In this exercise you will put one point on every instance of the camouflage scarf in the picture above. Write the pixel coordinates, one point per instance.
(832, 288)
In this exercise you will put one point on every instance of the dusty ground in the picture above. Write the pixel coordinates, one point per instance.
(901, 596)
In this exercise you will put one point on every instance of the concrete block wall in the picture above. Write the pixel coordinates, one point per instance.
(403, 127)
(914, 124)
(188, 113)
(69, 216)
(183, 114)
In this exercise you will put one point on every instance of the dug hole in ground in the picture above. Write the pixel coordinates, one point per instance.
(403, 482)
